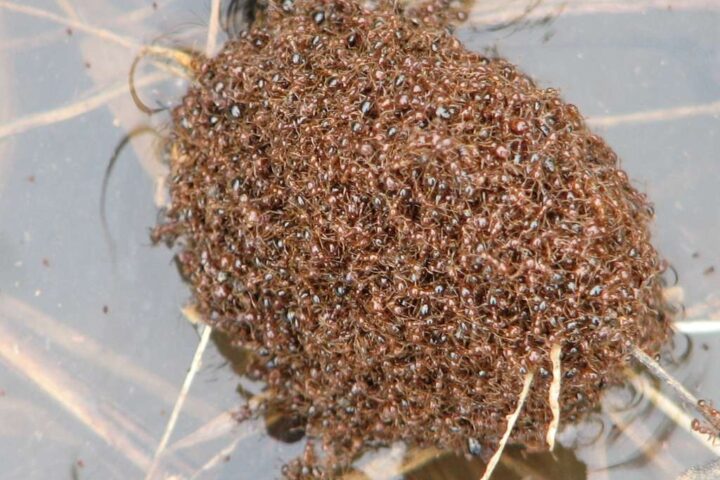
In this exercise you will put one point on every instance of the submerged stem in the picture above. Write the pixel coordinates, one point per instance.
(673, 411)
(180, 402)
(656, 369)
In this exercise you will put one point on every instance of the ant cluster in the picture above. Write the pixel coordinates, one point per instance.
(402, 229)
(711, 427)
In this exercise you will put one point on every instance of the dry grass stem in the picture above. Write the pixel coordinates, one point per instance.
(503, 12)
(74, 109)
(32, 41)
(182, 59)
(217, 427)
(554, 395)
(217, 459)
(671, 409)
(659, 115)
(68, 8)
(105, 61)
(644, 440)
(698, 327)
(511, 419)
(194, 367)
(141, 13)
(660, 373)
(21, 415)
(141, 436)
(191, 312)
(662, 403)
(101, 33)
(708, 309)
(213, 28)
(70, 394)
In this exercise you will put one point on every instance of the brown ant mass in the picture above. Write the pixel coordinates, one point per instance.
(401, 229)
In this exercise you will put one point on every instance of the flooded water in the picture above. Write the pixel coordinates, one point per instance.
(94, 347)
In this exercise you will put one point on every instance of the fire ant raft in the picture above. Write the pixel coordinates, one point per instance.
(417, 242)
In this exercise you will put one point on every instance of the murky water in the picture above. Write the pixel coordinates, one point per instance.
(93, 346)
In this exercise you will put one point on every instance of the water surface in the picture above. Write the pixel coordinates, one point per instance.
(93, 345)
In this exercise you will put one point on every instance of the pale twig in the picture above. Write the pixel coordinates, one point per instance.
(192, 315)
(554, 395)
(221, 425)
(68, 22)
(69, 10)
(709, 309)
(669, 408)
(194, 367)
(511, 419)
(659, 115)
(21, 415)
(7, 85)
(180, 57)
(66, 391)
(213, 28)
(498, 13)
(89, 350)
(137, 432)
(217, 427)
(127, 424)
(74, 109)
(660, 373)
(141, 13)
(643, 439)
(217, 459)
(33, 41)
(106, 61)
(697, 327)
(184, 60)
